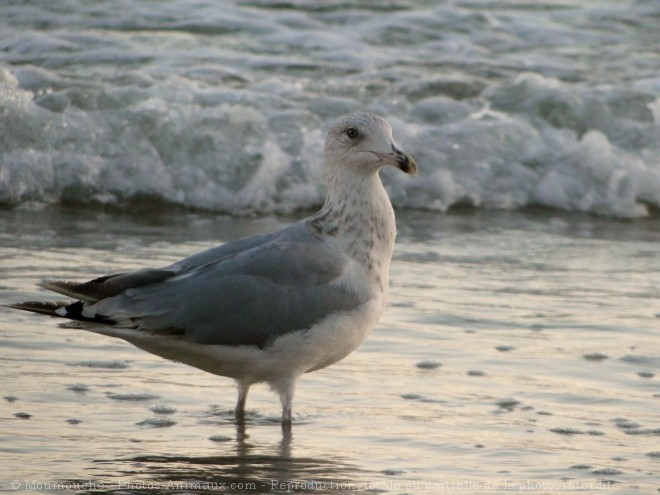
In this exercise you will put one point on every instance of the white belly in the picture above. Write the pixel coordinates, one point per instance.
(327, 342)
(330, 340)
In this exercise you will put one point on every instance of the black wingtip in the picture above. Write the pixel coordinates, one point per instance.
(40, 307)
(74, 311)
(70, 310)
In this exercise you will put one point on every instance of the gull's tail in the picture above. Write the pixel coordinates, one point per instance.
(41, 307)
(89, 292)
(60, 309)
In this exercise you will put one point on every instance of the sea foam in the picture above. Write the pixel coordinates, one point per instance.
(226, 109)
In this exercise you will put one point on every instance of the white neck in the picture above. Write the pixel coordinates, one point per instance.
(358, 214)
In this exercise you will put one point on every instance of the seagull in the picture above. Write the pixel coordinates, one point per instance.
(269, 307)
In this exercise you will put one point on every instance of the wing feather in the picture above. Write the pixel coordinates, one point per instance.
(109, 285)
(248, 298)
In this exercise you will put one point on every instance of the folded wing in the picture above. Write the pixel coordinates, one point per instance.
(273, 285)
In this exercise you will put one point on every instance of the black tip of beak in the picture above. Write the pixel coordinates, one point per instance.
(405, 162)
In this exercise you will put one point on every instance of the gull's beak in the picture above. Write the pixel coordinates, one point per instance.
(405, 162)
(399, 159)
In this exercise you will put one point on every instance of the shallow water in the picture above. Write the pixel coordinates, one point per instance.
(519, 352)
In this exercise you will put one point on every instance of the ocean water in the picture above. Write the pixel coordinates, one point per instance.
(505, 103)
(520, 351)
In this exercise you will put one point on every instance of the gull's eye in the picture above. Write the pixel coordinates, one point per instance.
(352, 132)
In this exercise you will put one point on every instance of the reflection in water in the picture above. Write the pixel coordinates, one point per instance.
(245, 467)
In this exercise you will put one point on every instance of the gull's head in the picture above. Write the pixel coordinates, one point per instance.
(363, 142)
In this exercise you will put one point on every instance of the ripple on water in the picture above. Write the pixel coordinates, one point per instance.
(110, 365)
(594, 356)
(133, 397)
(650, 432)
(640, 359)
(476, 373)
(220, 438)
(162, 409)
(607, 471)
(421, 398)
(157, 422)
(78, 387)
(508, 403)
(392, 472)
(566, 430)
(625, 423)
(428, 365)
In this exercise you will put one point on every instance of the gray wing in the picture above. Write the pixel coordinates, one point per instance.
(287, 283)
(109, 285)
(113, 285)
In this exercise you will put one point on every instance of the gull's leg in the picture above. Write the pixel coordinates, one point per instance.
(286, 391)
(286, 416)
(243, 389)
